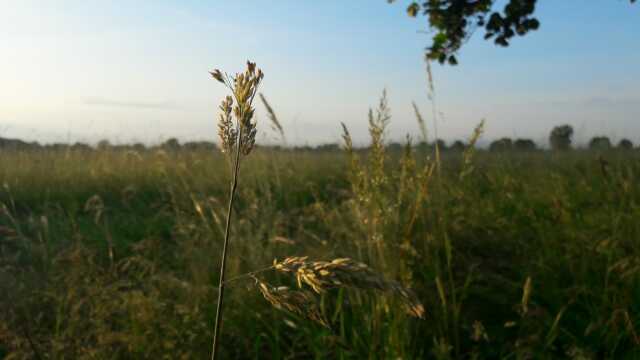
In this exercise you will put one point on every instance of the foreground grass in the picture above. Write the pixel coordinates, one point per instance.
(114, 254)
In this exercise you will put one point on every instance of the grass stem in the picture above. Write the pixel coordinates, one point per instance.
(223, 264)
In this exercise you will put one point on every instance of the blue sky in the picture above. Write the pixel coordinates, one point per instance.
(137, 70)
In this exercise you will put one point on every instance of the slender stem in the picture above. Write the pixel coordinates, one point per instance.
(223, 265)
(250, 274)
(434, 113)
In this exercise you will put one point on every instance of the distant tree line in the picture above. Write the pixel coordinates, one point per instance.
(560, 139)
(171, 144)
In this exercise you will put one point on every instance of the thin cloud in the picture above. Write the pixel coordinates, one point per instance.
(164, 105)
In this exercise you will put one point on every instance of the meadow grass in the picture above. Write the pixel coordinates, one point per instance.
(113, 254)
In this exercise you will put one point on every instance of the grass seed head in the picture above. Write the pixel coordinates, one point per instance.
(244, 87)
(344, 272)
(299, 302)
(421, 122)
(217, 74)
(226, 130)
(272, 117)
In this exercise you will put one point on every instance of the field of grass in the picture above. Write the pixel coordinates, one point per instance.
(115, 254)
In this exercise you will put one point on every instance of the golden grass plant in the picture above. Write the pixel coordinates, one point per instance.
(237, 137)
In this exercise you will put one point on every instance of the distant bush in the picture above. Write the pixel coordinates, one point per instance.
(525, 145)
(424, 146)
(200, 145)
(625, 144)
(16, 144)
(103, 145)
(560, 137)
(600, 143)
(328, 147)
(139, 147)
(457, 146)
(171, 144)
(501, 145)
(56, 147)
(81, 147)
(394, 146)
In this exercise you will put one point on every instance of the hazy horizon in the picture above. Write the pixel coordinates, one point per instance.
(79, 71)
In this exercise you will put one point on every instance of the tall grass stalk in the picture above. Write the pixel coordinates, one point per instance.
(223, 264)
(275, 123)
(434, 113)
(421, 124)
(241, 140)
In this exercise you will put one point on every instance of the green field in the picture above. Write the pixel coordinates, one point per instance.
(115, 254)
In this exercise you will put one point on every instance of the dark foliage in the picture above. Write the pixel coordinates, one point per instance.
(560, 137)
(501, 145)
(457, 146)
(600, 143)
(455, 21)
(625, 144)
(525, 145)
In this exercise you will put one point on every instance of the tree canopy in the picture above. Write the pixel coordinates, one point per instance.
(600, 143)
(455, 21)
(560, 137)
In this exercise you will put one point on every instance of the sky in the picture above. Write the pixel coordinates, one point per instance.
(82, 70)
